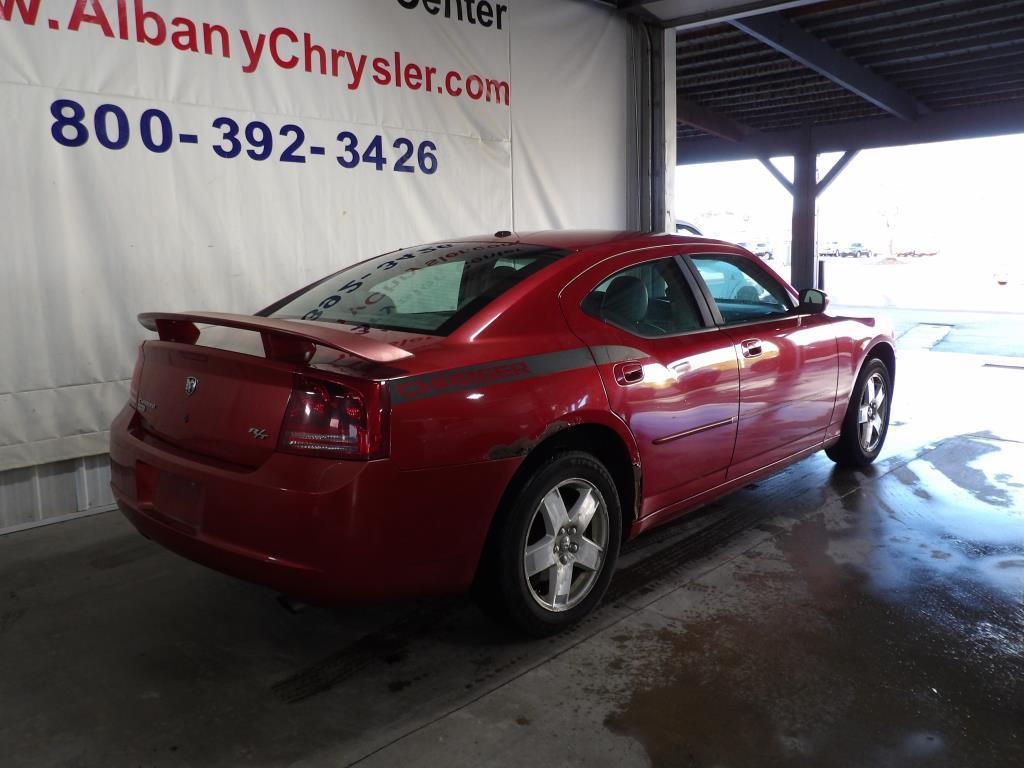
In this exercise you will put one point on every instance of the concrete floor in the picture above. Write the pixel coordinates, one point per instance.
(973, 332)
(817, 618)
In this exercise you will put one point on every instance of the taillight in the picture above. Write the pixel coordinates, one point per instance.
(133, 390)
(333, 420)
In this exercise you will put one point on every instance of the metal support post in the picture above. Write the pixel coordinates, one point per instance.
(804, 253)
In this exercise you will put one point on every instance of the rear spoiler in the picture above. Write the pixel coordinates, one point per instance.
(287, 340)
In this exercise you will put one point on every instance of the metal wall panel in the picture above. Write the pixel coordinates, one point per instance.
(54, 492)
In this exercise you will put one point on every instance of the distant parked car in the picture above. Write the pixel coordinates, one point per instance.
(686, 228)
(1008, 273)
(855, 250)
(763, 251)
(829, 249)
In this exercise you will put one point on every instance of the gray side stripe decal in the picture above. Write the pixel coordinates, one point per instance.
(479, 376)
(616, 354)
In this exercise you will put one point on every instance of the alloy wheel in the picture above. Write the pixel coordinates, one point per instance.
(566, 544)
(871, 414)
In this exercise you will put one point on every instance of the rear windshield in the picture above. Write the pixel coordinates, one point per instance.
(429, 289)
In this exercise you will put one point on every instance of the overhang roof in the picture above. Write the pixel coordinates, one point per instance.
(756, 79)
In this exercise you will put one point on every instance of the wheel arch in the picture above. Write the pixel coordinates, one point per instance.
(882, 350)
(607, 445)
(611, 444)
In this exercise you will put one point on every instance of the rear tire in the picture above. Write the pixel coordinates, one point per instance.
(867, 418)
(554, 547)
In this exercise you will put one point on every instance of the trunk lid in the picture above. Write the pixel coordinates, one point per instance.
(223, 391)
(212, 402)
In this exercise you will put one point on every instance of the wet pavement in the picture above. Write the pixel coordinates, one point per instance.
(955, 330)
(887, 628)
(819, 617)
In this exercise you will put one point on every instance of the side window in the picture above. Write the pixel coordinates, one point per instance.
(741, 290)
(651, 299)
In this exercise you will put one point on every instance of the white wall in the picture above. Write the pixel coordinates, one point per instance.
(93, 235)
(572, 145)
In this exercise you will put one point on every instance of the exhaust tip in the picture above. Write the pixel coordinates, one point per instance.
(290, 604)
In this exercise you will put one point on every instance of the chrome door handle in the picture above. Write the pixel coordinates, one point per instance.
(628, 373)
(751, 347)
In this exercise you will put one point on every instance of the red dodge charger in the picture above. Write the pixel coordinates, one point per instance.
(499, 413)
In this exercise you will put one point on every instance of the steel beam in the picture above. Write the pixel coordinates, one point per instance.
(806, 272)
(686, 18)
(783, 35)
(634, 9)
(966, 123)
(804, 251)
(709, 121)
(680, 14)
(835, 170)
(767, 163)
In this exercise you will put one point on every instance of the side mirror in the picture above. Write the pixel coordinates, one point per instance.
(812, 301)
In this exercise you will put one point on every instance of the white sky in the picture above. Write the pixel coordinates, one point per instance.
(963, 196)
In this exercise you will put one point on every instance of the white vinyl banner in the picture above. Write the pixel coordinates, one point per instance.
(178, 154)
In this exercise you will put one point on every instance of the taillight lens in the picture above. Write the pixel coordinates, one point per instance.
(133, 390)
(334, 420)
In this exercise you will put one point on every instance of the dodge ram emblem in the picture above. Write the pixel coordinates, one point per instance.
(191, 384)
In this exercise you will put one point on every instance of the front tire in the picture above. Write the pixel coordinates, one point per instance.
(555, 548)
(867, 418)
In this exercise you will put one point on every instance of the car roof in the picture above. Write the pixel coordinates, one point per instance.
(578, 239)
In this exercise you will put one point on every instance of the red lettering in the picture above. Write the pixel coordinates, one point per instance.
(413, 76)
(453, 77)
(98, 17)
(381, 71)
(336, 56)
(288, 63)
(27, 9)
(184, 36)
(142, 17)
(356, 67)
(225, 46)
(310, 49)
(253, 50)
(499, 89)
(122, 19)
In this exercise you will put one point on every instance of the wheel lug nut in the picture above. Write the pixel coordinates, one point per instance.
(575, 547)
(563, 559)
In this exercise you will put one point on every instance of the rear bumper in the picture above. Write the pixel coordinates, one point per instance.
(319, 530)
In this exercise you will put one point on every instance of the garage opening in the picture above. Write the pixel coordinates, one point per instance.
(924, 234)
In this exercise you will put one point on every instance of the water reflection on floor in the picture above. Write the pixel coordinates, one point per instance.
(888, 628)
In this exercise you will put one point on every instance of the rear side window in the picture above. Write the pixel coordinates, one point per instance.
(742, 291)
(650, 300)
(431, 289)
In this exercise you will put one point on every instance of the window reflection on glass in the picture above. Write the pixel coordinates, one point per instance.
(649, 300)
(741, 291)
